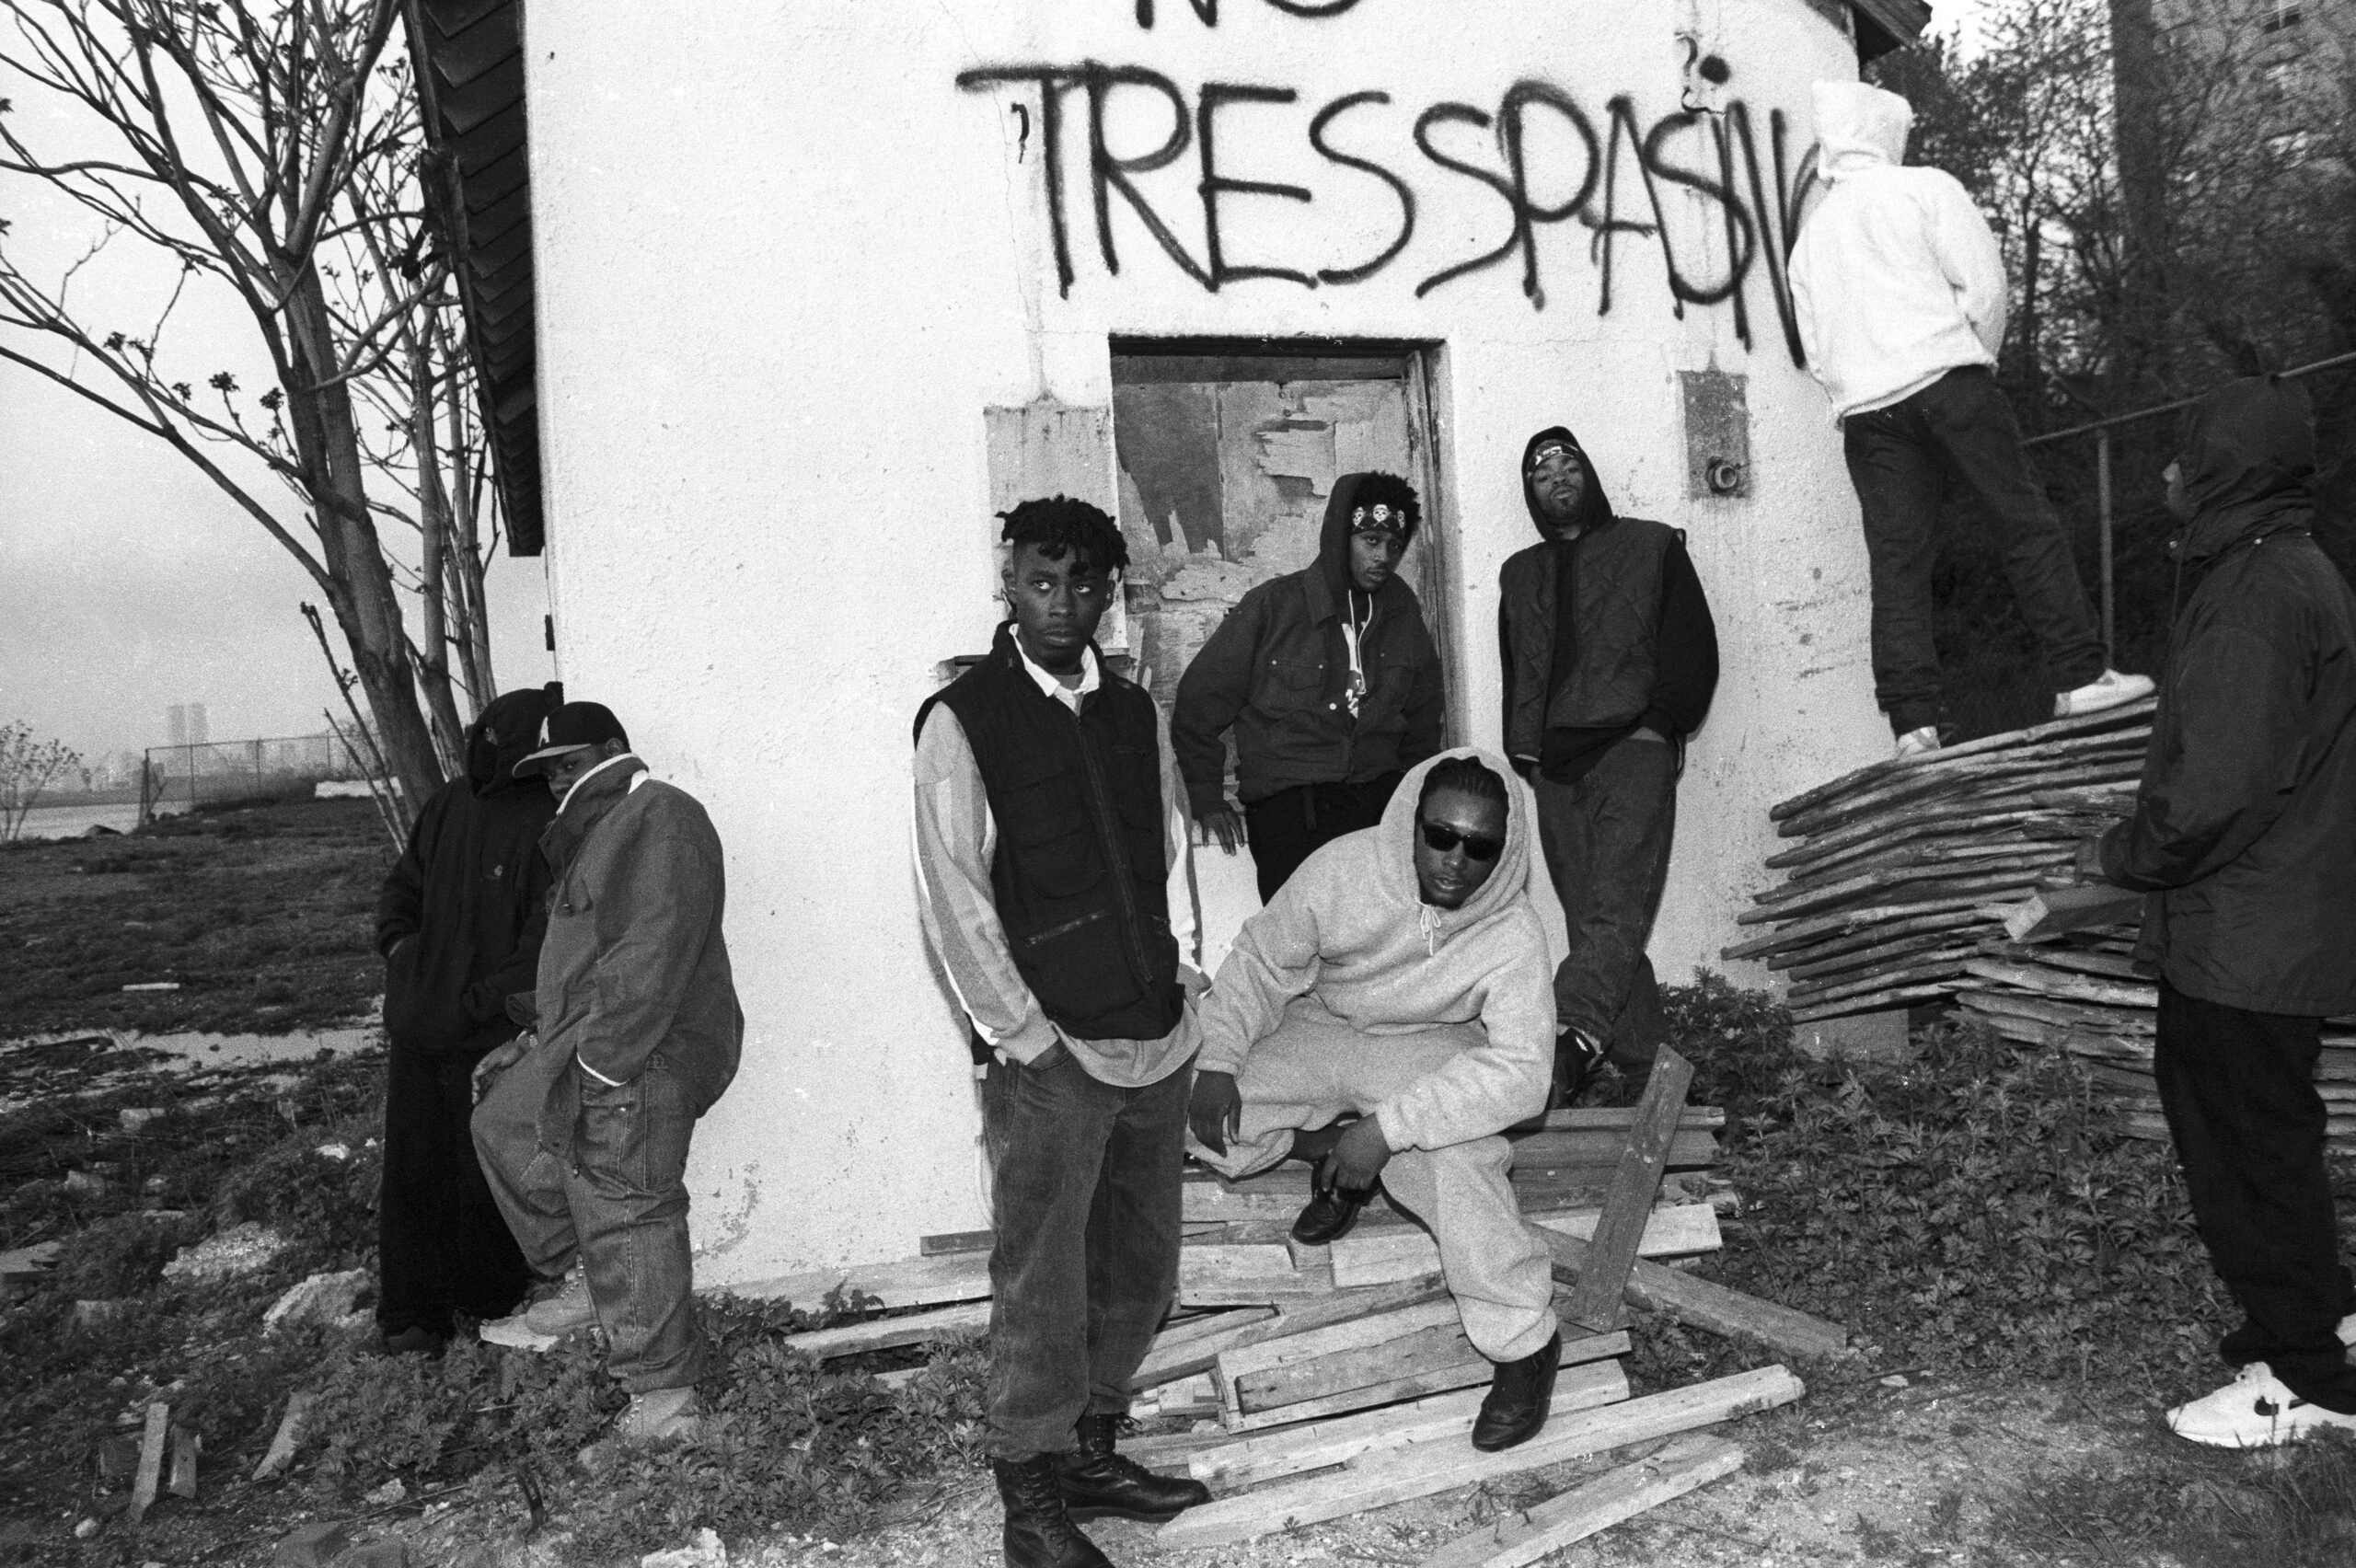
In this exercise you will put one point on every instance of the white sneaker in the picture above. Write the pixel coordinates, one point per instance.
(2254, 1410)
(552, 1313)
(2109, 689)
(1914, 742)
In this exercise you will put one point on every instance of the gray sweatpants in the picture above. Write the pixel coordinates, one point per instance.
(1314, 1069)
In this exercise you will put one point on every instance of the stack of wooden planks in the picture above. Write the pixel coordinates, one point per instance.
(1904, 869)
(2080, 993)
(1323, 1381)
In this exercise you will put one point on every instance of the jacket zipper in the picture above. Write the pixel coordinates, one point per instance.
(1116, 856)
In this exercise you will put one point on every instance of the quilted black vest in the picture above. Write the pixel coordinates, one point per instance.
(1080, 875)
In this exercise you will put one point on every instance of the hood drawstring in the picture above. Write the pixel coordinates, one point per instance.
(1428, 919)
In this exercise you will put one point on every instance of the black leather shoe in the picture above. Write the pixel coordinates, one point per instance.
(1518, 1398)
(1096, 1483)
(1039, 1532)
(1328, 1215)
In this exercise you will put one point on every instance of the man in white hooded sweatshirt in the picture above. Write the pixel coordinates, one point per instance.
(1900, 291)
(1400, 977)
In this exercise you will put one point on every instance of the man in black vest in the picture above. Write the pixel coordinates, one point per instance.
(1052, 861)
(1609, 659)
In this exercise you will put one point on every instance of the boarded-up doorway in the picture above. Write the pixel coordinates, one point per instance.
(1226, 460)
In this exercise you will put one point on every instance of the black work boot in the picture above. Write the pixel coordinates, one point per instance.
(1329, 1216)
(1096, 1483)
(1039, 1532)
(1518, 1399)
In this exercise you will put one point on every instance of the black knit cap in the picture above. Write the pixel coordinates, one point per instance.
(572, 728)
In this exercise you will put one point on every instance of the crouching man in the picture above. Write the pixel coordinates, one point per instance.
(585, 1124)
(1401, 978)
(1051, 847)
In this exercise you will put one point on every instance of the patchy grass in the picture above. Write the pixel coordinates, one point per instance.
(263, 915)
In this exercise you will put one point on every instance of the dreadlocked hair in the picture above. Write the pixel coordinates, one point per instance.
(1377, 487)
(1060, 525)
(1466, 774)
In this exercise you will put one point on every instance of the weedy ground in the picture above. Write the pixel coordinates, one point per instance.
(2023, 1284)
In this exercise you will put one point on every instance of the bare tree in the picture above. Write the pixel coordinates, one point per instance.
(26, 769)
(274, 149)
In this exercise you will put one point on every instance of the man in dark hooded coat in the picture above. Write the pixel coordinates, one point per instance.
(1330, 680)
(2244, 833)
(1609, 659)
(459, 922)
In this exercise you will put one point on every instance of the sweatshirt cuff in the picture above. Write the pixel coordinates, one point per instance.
(1392, 1118)
(1218, 1056)
(1031, 1042)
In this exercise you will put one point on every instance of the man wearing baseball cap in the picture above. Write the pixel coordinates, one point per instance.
(585, 1124)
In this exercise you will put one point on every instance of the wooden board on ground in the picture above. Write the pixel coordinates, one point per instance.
(148, 1479)
(903, 1282)
(185, 1446)
(1378, 1480)
(1185, 1349)
(884, 1333)
(1247, 1274)
(1595, 1300)
(1442, 1418)
(1387, 1256)
(2044, 982)
(2093, 1017)
(1713, 1306)
(290, 1432)
(1684, 1463)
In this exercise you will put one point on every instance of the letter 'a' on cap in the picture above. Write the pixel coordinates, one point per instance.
(573, 727)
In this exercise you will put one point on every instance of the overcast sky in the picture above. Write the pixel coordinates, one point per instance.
(128, 582)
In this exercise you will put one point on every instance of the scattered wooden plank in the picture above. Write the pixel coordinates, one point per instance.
(1388, 1256)
(1246, 1275)
(1175, 1356)
(150, 1474)
(1593, 1506)
(1941, 964)
(884, 1333)
(1620, 1118)
(290, 1432)
(1712, 1307)
(1600, 1147)
(185, 1446)
(1379, 1480)
(2071, 987)
(2086, 960)
(2054, 911)
(1841, 922)
(2139, 1021)
(1441, 1418)
(1595, 1300)
(1872, 1001)
(903, 1282)
(1449, 1362)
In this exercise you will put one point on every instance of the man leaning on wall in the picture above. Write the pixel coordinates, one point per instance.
(1900, 291)
(585, 1124)
(1051, 847)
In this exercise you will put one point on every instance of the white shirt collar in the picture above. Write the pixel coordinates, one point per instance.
(1090, 677)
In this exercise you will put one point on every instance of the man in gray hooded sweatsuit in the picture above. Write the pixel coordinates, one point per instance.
(1401, 977)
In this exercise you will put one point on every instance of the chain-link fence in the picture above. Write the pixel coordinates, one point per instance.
(274, 768)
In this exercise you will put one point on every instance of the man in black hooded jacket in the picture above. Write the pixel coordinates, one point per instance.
(458, 923)
(1609, 659)
(1330, 680)
(2244, 833)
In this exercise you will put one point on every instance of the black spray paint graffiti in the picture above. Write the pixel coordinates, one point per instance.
(1758, 200)
(1206, 11)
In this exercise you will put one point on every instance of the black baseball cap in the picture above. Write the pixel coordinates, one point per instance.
(572, 728)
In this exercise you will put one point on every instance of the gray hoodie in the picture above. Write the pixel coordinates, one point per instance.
(1352, 928)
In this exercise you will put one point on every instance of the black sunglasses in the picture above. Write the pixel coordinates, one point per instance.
(1443, 838)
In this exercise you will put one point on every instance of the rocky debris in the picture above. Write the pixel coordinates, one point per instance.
(24, 1269)
(314, 1545)
(322, 1298)
(135, 1117)
(707, 1550)
(85, 1184)
(391, 1495)
(238, 1251)
(90, 1317)
(391, 1552)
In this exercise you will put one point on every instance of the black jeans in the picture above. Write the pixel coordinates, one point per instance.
(1607, 840)
(2239, 1092)
(441, 1244)
(1959, 430)
(1290, 825)
(1085, 1186)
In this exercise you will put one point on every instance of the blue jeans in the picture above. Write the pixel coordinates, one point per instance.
(1959, 430)
(1085, 1185)
(616, 1200)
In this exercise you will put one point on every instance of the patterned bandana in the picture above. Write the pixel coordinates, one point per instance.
(1380, 518)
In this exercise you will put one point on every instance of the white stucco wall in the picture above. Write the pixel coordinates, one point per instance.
(785, 263)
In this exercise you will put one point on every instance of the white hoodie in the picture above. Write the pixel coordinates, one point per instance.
(1896, 277)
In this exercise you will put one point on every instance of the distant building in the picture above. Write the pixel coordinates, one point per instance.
(197, 734)
(176, 724)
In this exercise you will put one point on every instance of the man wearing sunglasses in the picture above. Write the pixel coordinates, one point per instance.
(1387, 1017)
(1609, 659)
(1329, 680)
